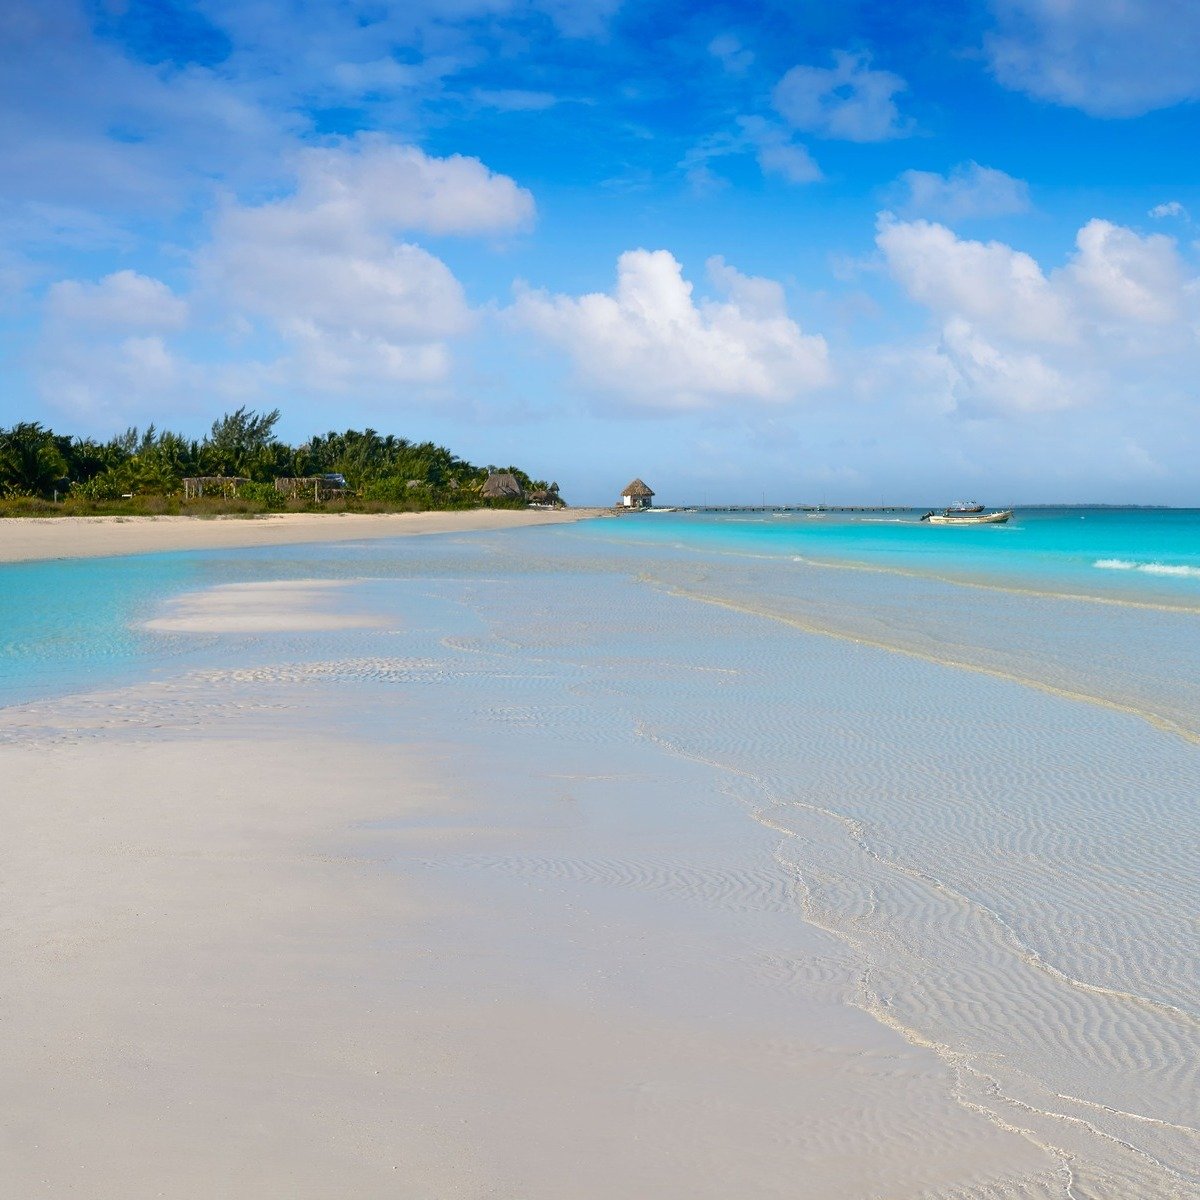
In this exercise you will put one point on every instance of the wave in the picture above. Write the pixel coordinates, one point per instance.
(1179, 570)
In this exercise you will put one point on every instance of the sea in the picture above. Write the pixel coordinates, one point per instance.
(972, 755)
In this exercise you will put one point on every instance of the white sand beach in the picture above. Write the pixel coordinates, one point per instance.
(284, 930)
(510, 876)
(27, 539)
(232, 970)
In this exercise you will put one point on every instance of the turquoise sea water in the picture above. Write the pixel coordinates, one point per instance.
(988, 795)
(1151, 554)
(68, 623)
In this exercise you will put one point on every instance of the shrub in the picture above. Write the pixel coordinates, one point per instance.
(265, 494)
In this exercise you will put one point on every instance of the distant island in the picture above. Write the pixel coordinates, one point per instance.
(242, 467)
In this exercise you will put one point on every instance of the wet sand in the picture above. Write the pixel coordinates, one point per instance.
(498, 868)
(292, 929)
(234, 968)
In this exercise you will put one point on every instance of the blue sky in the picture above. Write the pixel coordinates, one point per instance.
(804, 251)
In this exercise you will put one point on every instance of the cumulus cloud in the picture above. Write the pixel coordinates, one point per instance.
(104, 352)
(326, 286)
(731, 54)
(1110, 58)
(1021, 339)
(991, 379)
(372, 181)
(123, 299)
(849, 100)
(106, 381)
(1172, 208)
(330, 268)
(968, 190)
(652, 345)
(986, 282)
(1125, 276)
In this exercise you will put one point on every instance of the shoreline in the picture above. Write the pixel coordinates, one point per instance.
(40, 539)
(363, 876)
(314, 965)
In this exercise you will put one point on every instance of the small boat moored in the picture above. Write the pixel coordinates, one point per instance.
(963, 514)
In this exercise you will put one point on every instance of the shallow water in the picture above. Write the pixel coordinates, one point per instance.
(988, 798)
(1129, 555)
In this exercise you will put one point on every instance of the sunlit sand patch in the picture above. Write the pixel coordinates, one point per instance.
(289, 606)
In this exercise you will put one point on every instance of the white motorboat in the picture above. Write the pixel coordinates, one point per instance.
(959, 516)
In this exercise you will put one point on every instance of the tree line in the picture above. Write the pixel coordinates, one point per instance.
(38, 462)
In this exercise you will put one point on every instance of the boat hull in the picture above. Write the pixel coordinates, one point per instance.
(994, 518)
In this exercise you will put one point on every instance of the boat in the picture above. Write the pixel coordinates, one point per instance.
(974, 515)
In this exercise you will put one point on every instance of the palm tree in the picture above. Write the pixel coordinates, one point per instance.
(33, 460)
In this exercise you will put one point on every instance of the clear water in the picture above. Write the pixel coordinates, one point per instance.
(1131, 554)
(989, 796)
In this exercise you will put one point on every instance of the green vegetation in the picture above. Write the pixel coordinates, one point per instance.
(43, 473)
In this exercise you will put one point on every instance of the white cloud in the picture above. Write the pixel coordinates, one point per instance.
(1172, 208)
(991, 379)
(987, 282)
(103, 354)
(772, 146)
(789, 160)
(106, 382)
(731, 54)
(87, 126)
(849, 100)
(124, 299)
(328, 268)
(1125, 276)
(653, 346)
(1117, 318)
(325, 288)
(777, 154)
(358, 281)
(1110, 58)
(968, 190)
(373, 181)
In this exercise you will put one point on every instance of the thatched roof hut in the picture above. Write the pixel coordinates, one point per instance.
(318, 487)
(502, 485)
(636, 495)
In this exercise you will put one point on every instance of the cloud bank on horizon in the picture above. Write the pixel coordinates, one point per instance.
(843, 256)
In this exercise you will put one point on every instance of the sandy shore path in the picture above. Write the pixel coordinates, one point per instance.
(28, 539)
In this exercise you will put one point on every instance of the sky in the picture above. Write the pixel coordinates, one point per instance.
(782, 252)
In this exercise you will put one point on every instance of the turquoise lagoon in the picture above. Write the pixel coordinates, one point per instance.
(70, 622)
(973, 757)
(1140, 553)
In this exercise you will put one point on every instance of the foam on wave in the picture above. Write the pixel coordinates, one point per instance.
(1180, 570)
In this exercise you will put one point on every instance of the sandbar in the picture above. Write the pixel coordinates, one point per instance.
(276, 606)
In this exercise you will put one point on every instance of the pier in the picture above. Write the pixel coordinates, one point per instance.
(796, 508)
